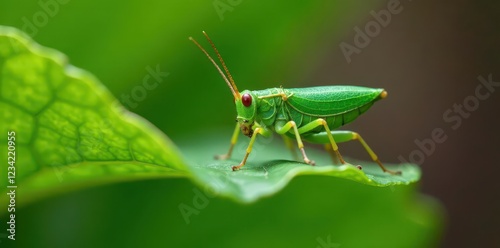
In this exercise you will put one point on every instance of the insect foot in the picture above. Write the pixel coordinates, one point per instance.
(394, 172)
(387, 170)
(359, 167)
(308, 161)
(235, 168)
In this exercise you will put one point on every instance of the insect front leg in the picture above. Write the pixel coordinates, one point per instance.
(281, 128)
(344, 136)
(234, 139)
(258, 130)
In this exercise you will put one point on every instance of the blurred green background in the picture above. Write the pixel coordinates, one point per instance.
(428, 58)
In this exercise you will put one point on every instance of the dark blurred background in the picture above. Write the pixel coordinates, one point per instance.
(428, 57)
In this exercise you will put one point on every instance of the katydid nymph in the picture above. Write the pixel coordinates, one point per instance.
(306, 114)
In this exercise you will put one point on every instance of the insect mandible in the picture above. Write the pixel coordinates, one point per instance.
(306, 114)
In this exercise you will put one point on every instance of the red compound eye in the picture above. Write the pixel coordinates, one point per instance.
(247, 100)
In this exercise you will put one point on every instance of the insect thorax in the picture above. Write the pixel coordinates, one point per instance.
(268, 107)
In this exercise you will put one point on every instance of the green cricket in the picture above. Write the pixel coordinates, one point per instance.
(306, 114)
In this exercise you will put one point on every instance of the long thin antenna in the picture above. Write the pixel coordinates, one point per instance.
(234, 90)
(221, 60)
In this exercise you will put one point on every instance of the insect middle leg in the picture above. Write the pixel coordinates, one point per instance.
(344, 136)
(281, 128)
(321, 122)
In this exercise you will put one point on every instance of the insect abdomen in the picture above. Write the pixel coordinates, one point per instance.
(338, 105)
(334, 121)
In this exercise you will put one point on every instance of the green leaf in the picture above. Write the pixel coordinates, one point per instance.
(271, 167)
(70, 131)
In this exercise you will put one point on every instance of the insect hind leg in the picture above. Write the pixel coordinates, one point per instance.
(344, 136)
(329, 149)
